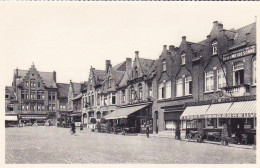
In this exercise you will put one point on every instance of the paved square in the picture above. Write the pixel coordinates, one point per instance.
(56, 145)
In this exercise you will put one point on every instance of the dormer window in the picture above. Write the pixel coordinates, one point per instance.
(164, 65)
(214, 48)
(136, 72)
(183, 59)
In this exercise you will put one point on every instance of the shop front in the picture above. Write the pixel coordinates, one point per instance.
(132, 119)
(239, 118)
(29, 120)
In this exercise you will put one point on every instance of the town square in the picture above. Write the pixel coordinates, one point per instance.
(113, 84)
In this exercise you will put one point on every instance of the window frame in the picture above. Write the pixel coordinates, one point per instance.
(179, 82)
(188, 82)
(209, 75)
(214, 47)
(164, 67)
(221, 72)
(183, 58)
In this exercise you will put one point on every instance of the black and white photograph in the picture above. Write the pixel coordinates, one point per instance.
(129, 83)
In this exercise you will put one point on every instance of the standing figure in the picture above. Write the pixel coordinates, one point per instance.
(73, 128)
(147, 129)
(81, 127)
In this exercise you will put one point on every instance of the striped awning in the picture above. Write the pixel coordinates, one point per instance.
(124, 112)
(11, 118)
(194, 112)
(217, 110)
(244, 109)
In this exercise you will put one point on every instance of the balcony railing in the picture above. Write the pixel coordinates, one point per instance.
(239, 90)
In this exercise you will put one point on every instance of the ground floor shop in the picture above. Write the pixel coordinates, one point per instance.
(11, 120)
(33, 119)
(134, 118)
(234, 120)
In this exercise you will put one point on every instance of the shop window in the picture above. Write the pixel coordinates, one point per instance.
(168, 89)
(211, 122)
(164, 65)
(140, 90)
(188, 85)
(221, 79)
(254, 71)
(209, 81)
(179, 87)
(183, 59)
(238, 73)
(249, 123)
(214, 48)
(192, 124)
(221, 122)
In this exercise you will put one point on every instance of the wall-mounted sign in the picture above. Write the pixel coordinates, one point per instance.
(239, 53)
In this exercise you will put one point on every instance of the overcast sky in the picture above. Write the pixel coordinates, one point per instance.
(70, 37)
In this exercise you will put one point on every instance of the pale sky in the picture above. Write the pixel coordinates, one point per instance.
(69, 37)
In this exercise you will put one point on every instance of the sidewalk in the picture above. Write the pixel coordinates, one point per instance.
(171, 136)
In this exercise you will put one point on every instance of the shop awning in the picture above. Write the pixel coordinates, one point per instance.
(124, 112)
(245, 109)
(33, 117)
(218, 110)
(11, 118)
(75, 114)
(194, 112)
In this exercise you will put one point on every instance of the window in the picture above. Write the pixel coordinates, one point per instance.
(238, 73)
(132, 93)
(183, 59)
(32, 83)
(22, 106)
(33, 96)
(98, 99)
(209, 81)
(113, 95)
(40, 95)
(254, 71)
(92, 100)
(211, 122)
(6, 96)
(53, 107)
(214, 48)
(161, 91)
(179, 87)
(168, 89)
(188, 85)
(26, 83)
(98, 115)
(27, 107)
(109, 82)
(164, 65)
(39, 84)
(221, 122)
(52, 96)
(140, 90)
(221, 79)
(150, 90)
(136, 72)
(105, 101)
(123, 96)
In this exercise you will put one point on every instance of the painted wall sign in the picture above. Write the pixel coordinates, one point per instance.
(239, 53)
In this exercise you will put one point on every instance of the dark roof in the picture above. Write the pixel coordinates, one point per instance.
(125, 78)
(146, 65)
(100, 75)
(241, 34)
(47, 77)
(63, 89)
(152, 71)
(120, 66)
(77, 88)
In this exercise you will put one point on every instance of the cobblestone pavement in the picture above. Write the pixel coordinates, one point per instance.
(57, 145)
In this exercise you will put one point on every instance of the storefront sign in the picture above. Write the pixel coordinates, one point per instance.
(239, 53)
(239, 115)
(33, 117)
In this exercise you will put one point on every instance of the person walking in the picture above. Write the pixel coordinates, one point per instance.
(147, 129)
(81, 128)
(73, 128)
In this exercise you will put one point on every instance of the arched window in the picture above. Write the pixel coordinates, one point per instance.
(183, 58)
(140, 90)
(164, 65)
(238, 75)
(214, 47)
(254, 71)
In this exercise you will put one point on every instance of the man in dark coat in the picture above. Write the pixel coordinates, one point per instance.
(73, 128)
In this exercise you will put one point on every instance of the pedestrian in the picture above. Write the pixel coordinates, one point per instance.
(81, 128)
(147, 129)
(73, 128)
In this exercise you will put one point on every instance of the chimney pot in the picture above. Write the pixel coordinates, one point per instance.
(183, 38)
(171, 47)
(216, 22)
(128, 64)
(164, 47)
(54, 76)
(108, 63)
(136, 53)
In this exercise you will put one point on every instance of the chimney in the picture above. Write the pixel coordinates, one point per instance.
(208, 36)
(16, 71)
(171, 47)
(215, 23)
(247, 37)
(33, 66)
(54, 76)
(220, 25)
(183, 38)
(136, 53)
(164, 48)
(108, 63)
(128, 64)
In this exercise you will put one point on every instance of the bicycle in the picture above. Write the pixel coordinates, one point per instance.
(194, 135)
